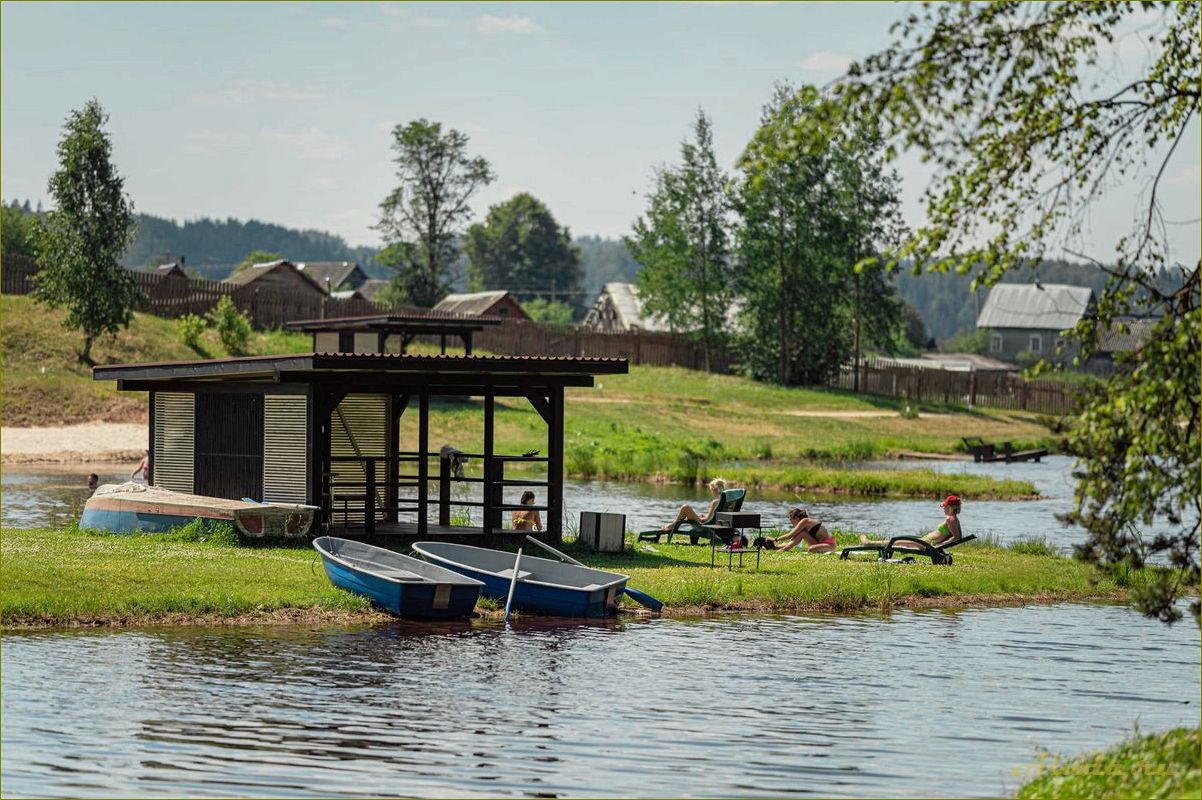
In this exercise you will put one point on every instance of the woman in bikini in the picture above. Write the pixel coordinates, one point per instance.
(527, 520)
(806, 529)
(717, 486)
(948, 530)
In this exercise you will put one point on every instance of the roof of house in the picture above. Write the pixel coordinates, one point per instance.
(1131, 337)
(629, 309)
(1049, 306)
(372, 285)
(349, 294)
(473, 303)
(336, 271)
(257, 271)
(172, 268)
(393, 321)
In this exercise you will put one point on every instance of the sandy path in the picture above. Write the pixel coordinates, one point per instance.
(89, 442)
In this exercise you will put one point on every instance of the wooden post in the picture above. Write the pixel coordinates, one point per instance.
(972, 388)
(369, 498)
(444, 491)
(423, 467)
(488, 456)
(555, 466)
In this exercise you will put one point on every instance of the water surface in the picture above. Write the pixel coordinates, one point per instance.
(781, 705)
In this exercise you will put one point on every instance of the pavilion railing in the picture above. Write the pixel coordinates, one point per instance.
(351, 502)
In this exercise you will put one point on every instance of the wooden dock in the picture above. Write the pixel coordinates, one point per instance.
(984, 452)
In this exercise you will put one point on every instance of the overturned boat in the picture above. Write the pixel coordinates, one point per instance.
(408, 587)
(135, 507)
(543, 586)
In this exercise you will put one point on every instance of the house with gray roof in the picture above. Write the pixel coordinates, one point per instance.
(482, 304)
(617, 309)
(281, 274)
(333, 275)
(1026, 321)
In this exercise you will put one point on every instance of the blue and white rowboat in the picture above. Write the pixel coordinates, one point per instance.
(408, 587)
(543, 586)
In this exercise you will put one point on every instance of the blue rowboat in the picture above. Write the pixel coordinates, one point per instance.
(408, 587)
(543, 586)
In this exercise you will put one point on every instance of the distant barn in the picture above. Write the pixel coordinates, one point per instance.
(333, 275)
(481, 304)
(280, 274)
(618, 309)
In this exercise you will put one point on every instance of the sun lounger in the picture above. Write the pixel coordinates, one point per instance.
(729, 500)
(917, 547)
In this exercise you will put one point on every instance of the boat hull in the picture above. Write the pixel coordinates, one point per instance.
(599, 598)
(425, 599)
(154, 510)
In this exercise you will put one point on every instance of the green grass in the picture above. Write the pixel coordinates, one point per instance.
(63, 577)
(1164, 765)
(54, 578)
(680, 575)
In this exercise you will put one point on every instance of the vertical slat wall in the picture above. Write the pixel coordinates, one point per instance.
(358, 427)
(174, 440)
(285, 448)
(229, 445)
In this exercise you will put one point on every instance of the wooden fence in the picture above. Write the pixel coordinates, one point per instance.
(269, 307)
(986, 389)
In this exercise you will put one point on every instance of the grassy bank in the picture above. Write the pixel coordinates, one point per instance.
(1164, 765)
(656, 423)
(56, 578)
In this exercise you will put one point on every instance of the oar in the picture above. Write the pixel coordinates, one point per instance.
(641, 598)
(513, 582)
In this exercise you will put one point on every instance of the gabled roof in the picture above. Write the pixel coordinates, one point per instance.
(173, 268)
(338, 272)
(257, 271)
(372, 285)
(475, 303)
(1131, 338)
(629, 308)
(1049, 306)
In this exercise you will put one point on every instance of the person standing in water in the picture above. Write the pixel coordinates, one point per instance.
(143, 468)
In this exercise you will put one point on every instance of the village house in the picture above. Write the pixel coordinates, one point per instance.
(280, 274)
(617, 310)
(333, 275)
(482, 304)
(1026, 321)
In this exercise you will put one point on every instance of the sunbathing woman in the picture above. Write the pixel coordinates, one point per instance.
(948, 530)
(805, 529)
(717, 486)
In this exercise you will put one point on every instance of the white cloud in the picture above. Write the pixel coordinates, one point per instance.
(405, 18)
(205, 141)
(245, 93)
(826, 61)
(335, 23)
(490, 25)
(311, 144)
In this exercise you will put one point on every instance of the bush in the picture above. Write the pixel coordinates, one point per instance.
(1033, 546)
(553, 312)
(191, 328)
(233, 327)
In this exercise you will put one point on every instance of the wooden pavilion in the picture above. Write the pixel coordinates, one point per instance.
(388, 333)
(324, 429)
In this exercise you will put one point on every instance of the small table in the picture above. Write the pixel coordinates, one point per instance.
(737, 521)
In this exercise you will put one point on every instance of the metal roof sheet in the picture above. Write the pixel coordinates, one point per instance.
(1049, 306)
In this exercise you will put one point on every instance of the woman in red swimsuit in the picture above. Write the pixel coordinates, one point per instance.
(805, 529)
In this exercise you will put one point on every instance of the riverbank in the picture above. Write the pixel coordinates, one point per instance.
(1163, 765)
(70, 578)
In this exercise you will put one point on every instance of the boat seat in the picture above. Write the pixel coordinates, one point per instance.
(508, 573)
(388, 572)
(591, 587)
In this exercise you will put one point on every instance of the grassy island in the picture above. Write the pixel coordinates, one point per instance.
(1164, 765)
(55, 578)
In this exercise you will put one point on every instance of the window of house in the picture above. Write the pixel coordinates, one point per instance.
(995, 343)
(1036, 343)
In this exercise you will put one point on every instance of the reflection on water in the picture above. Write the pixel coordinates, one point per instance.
(715, 707)
(41, 498)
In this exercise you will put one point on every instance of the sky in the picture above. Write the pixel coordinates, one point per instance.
(282, 111)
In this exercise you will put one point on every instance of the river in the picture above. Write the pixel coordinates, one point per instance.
(913, 704)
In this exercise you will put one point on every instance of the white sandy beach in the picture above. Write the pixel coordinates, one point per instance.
(85, 443)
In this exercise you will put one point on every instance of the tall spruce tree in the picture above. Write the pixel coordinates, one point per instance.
(683, 243)
(80, 240)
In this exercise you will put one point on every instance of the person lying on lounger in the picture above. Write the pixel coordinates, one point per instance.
(806, 529)
(948, 530)
(717, 486)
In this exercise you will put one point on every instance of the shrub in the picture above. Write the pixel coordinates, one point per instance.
(233, 327)
(190, 328)
(1034, 546)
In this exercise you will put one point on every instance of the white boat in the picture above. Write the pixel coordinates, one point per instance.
(132, 507)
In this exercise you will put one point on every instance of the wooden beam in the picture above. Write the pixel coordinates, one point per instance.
(488, 460)
(555, 466)
(423, 464)
(215, 387)
(541, 404)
